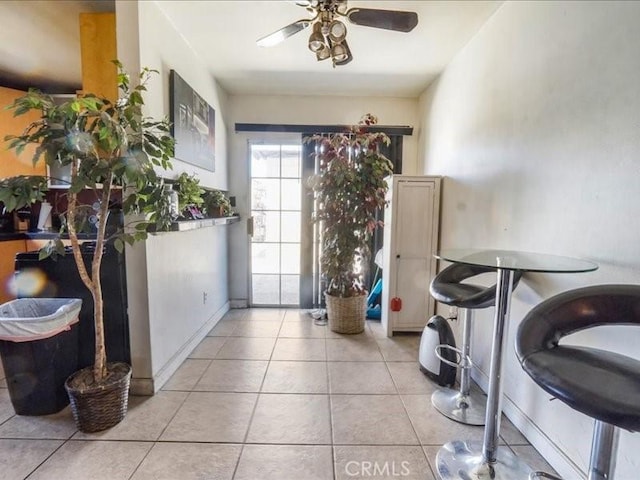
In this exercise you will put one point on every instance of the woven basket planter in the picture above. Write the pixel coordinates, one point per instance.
(346, 315)
(97, 408)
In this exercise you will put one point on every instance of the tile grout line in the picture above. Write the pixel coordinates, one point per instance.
(186, 397)
(153, 444)
(334, 465)
(192, 391)
(413, 427)
(64, 442)
(255, 406)
(369, 335)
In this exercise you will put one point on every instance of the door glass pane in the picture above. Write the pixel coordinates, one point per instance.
(265, 161)
(265, 258)
(290, 258)
(275, 206)
(291, 161)
(266, 289)
(290, 226)
(290, 289)
(291, 194)
(266, 226)
(265, 194)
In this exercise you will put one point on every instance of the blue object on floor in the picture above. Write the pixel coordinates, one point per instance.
(373, 301)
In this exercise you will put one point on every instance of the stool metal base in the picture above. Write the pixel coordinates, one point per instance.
(468, 409)
(539, 475)
(460, 460)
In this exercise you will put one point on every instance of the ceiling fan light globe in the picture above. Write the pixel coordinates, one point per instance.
(339, 52)
(323, 53)
(316, 42)
(337, 31)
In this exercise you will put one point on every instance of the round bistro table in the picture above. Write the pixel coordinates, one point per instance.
(462, 460)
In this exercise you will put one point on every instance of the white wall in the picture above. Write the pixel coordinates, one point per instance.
(536, 125)
(310, 110)
(171, 273)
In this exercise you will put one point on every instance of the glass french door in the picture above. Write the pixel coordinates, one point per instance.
(275, 207)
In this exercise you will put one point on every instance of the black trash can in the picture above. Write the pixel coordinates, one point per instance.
(39, 350)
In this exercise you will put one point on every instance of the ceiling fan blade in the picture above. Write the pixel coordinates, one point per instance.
(387, 19)
(284, 33)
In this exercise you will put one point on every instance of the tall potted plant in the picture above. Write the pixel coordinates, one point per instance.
(108, 146)
(349, 189)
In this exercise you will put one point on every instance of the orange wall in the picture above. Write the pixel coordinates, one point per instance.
(8, 251)
(10, 163)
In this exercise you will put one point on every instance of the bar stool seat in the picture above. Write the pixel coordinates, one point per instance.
(464, 406)
(447, 288)
(601, 384)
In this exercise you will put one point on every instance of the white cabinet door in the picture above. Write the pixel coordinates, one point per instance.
(410, 241)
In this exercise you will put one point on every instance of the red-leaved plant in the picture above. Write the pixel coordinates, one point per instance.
(350, 189)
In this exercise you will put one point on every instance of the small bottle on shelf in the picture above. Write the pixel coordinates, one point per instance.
(173, 201)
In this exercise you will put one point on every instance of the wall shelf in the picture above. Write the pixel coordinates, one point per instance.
(184, 225)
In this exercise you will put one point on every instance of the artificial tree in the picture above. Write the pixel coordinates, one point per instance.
(350, 190)
(108, 145)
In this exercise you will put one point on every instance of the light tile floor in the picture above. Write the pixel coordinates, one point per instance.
(267, 395)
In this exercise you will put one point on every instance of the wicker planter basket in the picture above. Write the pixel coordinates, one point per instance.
(346, 315)
(100, 407)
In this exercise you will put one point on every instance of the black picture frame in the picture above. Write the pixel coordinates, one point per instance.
(193, 124)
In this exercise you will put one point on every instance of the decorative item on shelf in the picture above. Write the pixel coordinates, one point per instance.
(349, 189)
(44, 217)
(86, 219)
(217, 204)
(101, 140)
(6, 220)
(174, 202)
(23, 219)
(193, 213)
(189, 195)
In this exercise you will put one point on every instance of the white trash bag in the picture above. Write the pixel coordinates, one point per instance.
(27, 319)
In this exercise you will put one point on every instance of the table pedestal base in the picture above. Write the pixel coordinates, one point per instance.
(459, 460)
(468, 409)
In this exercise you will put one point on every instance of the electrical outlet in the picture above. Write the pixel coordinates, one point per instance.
(204, 297)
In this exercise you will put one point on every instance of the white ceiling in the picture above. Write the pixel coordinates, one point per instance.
(223, 33)
(40, 43)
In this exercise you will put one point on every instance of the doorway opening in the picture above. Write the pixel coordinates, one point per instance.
(276, 190)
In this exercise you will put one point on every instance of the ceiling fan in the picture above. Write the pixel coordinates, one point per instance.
(329, 32)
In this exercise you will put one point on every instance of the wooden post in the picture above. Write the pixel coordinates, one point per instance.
(98, 50)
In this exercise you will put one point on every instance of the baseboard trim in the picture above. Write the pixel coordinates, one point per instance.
(549, 450)
(141, 386)
(149, 386)
(239, 303)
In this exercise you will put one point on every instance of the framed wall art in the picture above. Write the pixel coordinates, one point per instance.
(193, 124)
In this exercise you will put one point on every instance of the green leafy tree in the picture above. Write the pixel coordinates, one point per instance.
(107, 146)
(350, 189)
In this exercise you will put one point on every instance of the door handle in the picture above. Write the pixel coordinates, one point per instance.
(250, 226)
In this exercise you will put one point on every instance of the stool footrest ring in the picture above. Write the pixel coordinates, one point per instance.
(461, 361)
(538, 475)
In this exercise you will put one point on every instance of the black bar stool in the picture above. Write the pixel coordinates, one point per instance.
(463, 405)
(601, 384)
